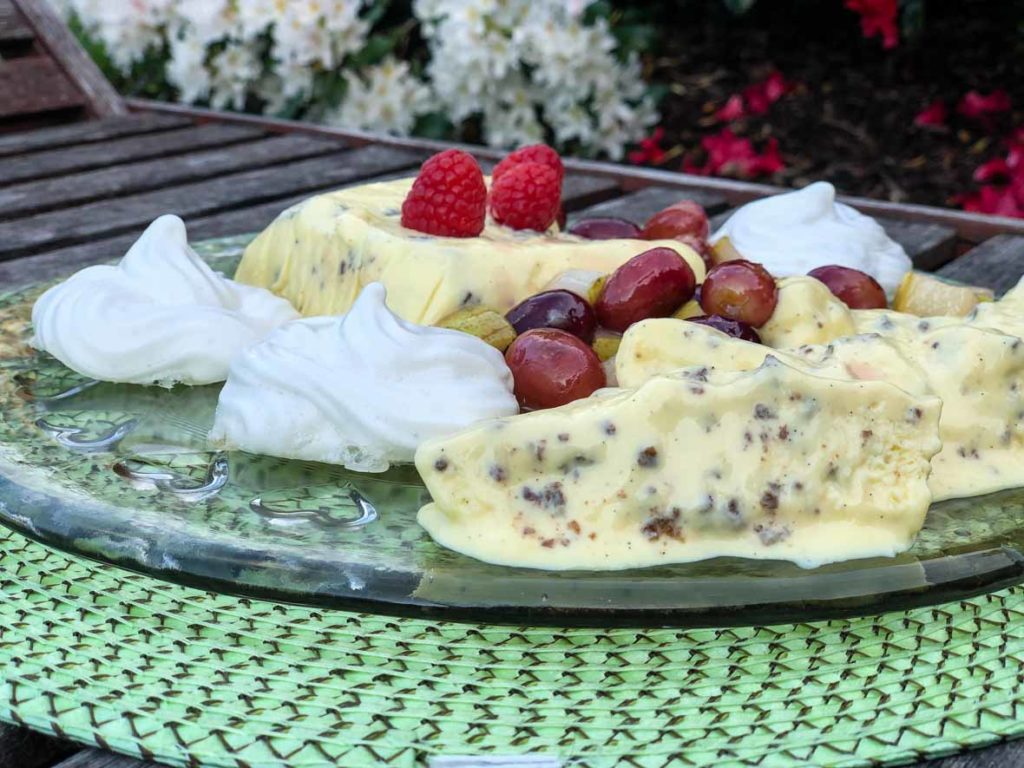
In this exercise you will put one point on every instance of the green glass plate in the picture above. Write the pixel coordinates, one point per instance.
(125, 474)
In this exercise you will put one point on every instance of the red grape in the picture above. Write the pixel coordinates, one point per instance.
(551, 368)
(739, 290)
(651, 284)
(858, 290)
(733, 328)
(605, 228)
(678, 220)
(555, 309)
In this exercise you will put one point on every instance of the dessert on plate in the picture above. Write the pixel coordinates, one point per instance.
(607, 396)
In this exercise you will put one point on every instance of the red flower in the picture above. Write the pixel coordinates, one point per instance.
(1002, 178)
(935, 114)
(650, 151)
(996, 170)
(984, 109)
(878, 17)
(756, 99)
(733, 109)
(731, 155)
(999, 201)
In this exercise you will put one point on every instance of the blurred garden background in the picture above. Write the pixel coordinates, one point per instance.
(906, 100)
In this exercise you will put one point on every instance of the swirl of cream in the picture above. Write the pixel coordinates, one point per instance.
(160, 316)
(792, 233)
(362, 389)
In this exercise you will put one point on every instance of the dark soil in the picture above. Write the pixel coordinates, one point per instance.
(850, 120)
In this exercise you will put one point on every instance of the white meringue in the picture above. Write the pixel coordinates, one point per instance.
(362, 389)
(161, 316)
(792, 233)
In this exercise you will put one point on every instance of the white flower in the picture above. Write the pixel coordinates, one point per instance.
(208, 20)
(126, 30)
(234, 70)
(254, 16)
(522, 65)
(186, 69)
(385, 98)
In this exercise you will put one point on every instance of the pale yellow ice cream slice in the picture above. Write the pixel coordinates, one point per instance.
(773, 463)
(320, 253)
(807, 312)
(978, 373)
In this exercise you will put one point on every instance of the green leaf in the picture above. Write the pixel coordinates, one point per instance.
(377, 10)
(434, 125)
(912, 17)
(739, 7)
(602, 9)
(657, 92)
(640, 38)
(376, 50)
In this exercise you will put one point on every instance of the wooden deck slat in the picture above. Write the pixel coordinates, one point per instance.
(124, 150)
(928, 245)
(53, 264)
(22, 748)
(53, 36)
(64, 191)
(49, 139)
(34, 84)
(13, 28)
(111, 217)
(96, 758)
(998, 263)
(640, 205)
(580, 190)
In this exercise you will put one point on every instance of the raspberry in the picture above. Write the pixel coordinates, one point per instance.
(448, 198)
(527, 196)
(536, 153)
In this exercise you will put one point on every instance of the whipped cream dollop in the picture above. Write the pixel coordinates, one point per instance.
(792, 233)
(160, 316)
(362, 389)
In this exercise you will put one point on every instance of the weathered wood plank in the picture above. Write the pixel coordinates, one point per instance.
(13, 28)
(580, 190)
(34, 84)
(54, 36)
(1007, 754)
(997, 263)
(53, 264)
(640, 205)
(118, 151)
(107, 218)
(929, 245)
(22, 748)
(63, 191)
(49, 139)
(96, 758)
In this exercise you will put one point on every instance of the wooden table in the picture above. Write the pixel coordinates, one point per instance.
(81, 194)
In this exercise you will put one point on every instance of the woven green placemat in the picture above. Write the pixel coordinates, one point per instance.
(130, 663)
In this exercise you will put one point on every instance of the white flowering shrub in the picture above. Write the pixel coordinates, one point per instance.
(507, 72)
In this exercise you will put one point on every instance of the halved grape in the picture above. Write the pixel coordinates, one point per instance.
(555, 309)
(739, 290)
(605, 228)
(551, 368)
(858, 290)
(685, 218)
(734, 328)
(651, 284)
